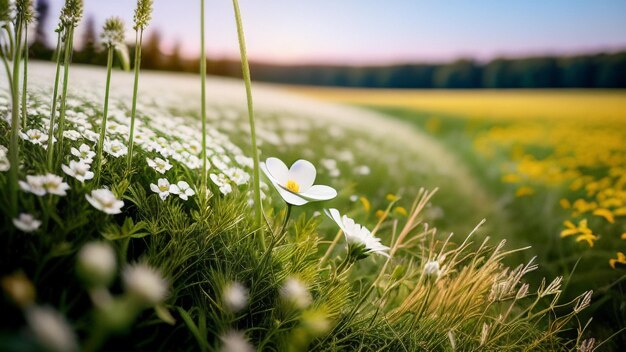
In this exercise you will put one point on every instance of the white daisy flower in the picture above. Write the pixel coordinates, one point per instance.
(145, 283)
(115, 148)
(105, 201)
(34, 136)
(72, 135)
(162, 188)
(182, 189)
(40, 185)
(5, 165)
(222, 182)
(84, 153)
(26, 223)
(235, 296)
(295, 184)
(357, 234)
(79, 170)
(159, 165)
(237, 175)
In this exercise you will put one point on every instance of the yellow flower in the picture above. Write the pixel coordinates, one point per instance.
(366, 204)
(380, 213)
(589, 237)
(401, 211)
(624, 236)
(621, 258)
(605, 213)
(524, 191)
(511, 178)
(582, 230)
(565, 204)
(392, 197)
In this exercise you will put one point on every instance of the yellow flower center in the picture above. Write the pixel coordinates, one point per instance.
(293, 186)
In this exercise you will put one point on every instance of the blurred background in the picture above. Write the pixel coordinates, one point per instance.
(391, 44)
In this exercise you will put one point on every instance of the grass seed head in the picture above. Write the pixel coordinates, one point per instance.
(113, 32)
(71, 13)
(143, 14)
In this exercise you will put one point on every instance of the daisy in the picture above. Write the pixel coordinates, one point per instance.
(104, 200)
(84, 153)
(34, 136)
(182, 189)
(79, 170)
(115, 148)
(26, 223)
(163, 188)
(295, 184)
(72, 134)
(159, 165)
(357, 234)
(41, 184)
(222, 182)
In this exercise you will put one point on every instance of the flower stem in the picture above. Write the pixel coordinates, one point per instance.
(103, 125)
(330, 248)
(203, 95)
(133, 111)
(54, 105)
(66, 74)
(15, 121)
(25, 80)
(246, 77)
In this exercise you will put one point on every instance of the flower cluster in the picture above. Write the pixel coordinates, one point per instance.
(41, 185)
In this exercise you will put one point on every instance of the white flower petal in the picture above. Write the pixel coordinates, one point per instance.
(319, 192)
(278, 170)
(290, 197)
(303, 173)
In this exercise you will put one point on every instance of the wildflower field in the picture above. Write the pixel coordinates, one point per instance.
(160, 212)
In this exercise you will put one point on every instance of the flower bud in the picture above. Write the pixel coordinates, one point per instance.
(96, 264)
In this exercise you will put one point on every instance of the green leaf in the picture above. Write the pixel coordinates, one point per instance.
(164, 314)
(122, 54)
(129, 229)
(191, 325)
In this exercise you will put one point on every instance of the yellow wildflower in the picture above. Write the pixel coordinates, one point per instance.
(366, 204)
(401, 211)
(565, 204)
(589, 237)
(392, 197)
(380, 213)
(524, 191)
(621, 258)
(605, 213)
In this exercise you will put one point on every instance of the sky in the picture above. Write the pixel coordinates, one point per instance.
(378, 31)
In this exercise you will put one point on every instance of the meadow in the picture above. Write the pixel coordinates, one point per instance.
(553, 160)
(160, 212)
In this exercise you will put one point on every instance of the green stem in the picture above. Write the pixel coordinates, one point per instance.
(25, 80)
(103, 125)
(15, 122)
(255, 152)
(54, 105)
(133, 111)
(66, 72)
(203, 95)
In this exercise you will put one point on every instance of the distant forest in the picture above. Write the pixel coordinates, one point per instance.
(583, 71)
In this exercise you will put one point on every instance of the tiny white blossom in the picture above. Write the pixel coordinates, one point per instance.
(158, 164)
(104, 200)
(26, 223)
(163, 188)
(115, 148)
(145, 283)
(235, 296)
(35, 136)
(294, 291)
(431, 269)
(222, 182)
(40, 185)
(97, 262)
(84, 153)
(51, 329)
(182, 189)
(79, 170)
(235, 341)
(5, 165)
(72, 135)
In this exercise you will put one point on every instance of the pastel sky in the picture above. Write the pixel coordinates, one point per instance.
(381, 31)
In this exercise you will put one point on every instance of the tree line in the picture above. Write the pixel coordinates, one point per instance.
(603, 70)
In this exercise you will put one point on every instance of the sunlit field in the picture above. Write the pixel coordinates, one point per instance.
(555, 161)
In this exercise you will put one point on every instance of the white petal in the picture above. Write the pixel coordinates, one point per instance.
(278, 170)
(336, 216)
(290, 197)
(319, 192)
(303, 172)
(154, 188)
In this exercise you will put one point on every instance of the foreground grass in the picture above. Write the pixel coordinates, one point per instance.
(307, 290)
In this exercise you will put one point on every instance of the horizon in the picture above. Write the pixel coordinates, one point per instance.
(286, 33)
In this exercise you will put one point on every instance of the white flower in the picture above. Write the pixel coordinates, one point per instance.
(79, 170)
(362, 170)
(295, 184)
(97, 263)
(163, 188)
(84, 153)
(104, 200)
(51, 329)
(34, 136)
(5, 165)
(431, 269)
(145, 283)
(237, 175)
(295, 292)
(115, 148)
(71, 134)
(357, 234)
(42, 184)
(158, 164)
(26, 223)
(235, 296)
(182, 189)
(235, 341)
(222, 183)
